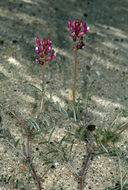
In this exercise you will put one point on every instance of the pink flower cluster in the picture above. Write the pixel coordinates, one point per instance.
(76, 32)
(44, 50)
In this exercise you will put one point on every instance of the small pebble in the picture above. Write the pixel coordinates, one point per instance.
(126, 97)
(85, 15)
(92, 61)
(14, 41)
(52, 166)
(1, 42)
(98, 73)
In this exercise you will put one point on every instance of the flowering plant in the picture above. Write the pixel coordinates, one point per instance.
(77, 36)
(46, 53)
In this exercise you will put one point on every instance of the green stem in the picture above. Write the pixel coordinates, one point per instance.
(74, 82)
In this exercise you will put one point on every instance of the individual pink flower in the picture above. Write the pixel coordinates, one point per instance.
(44, 50)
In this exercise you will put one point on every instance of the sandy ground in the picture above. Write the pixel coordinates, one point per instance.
(105, 85)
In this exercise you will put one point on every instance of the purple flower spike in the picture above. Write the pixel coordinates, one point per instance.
(76, 32)
(45, 50)
(75, 29)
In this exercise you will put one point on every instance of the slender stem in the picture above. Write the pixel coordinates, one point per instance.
(84, 168)
(74, 81)
(81, 176)
(43, 72)
(43, 80)
(42, 93)
(27, 146)
(36, 177)
(86, 162)
(28, 159)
